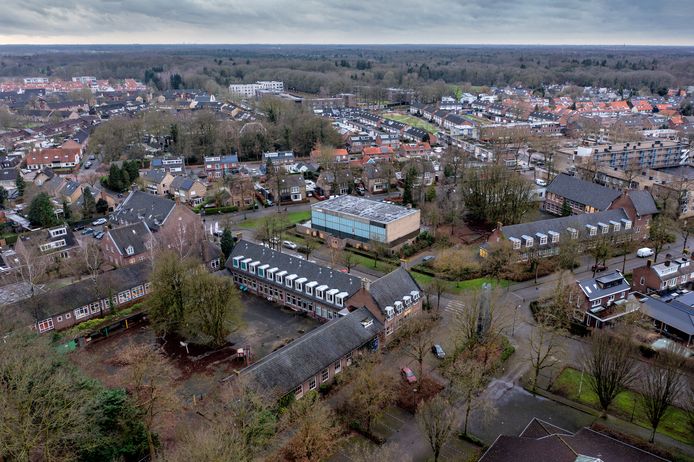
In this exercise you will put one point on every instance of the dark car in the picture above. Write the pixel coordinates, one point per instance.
(438, 351)
(79, 228)
(100, 235)
(88, 231)
(598, 268)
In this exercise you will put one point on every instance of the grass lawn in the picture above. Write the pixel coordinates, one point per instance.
(456, 287)
(292, 217)
(368, 262)
(412, 121)
(674, 424)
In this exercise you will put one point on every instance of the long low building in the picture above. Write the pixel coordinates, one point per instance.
(69, 305)
(363, 220)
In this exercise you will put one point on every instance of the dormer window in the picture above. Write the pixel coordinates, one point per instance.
(627, 224)
(320, 290)
(592, 230)
(252, 267)
(340, 298)
(130, 250)
(289, 280)
(299, 284)
(236, 261)
(330, 295)
(58, 232)
(390, 312)
(310, 287)
(604, 228)
(616, 226)
(516, 242)
(261, 270)
(279, 277)
(407, 300)
(245, 262)
(415, 295)
(528, 240)
(398, 306)
(543, 238)
(271, 273)
(573, 232)
(554, 235)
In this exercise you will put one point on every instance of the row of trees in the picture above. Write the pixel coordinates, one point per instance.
(120, 178)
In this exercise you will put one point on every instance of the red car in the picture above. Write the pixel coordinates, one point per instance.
(408, 375)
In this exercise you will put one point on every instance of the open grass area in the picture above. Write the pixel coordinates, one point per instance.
(626, 404)
(412, 121)
(292, 218)
(368, 262)
(456, 287)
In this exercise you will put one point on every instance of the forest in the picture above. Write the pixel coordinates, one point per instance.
(328, 70)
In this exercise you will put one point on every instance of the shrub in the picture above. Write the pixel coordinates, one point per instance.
(647, 351)
(213, 210)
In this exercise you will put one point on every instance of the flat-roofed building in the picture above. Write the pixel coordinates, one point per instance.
(364, 220)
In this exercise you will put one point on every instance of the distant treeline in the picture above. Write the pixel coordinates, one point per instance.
(327, 70)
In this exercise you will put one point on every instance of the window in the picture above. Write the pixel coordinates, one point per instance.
(261, 272)
(543, 239)
(337, 367)
(596, 302)
(592, 230)
(642, 281)
(324, 375)
(312, 384)
(235, 261)
(555, 237)
(298, 391)
(68, 315)
(130, 250)
(81, 312)
(45, 325)
(516, 243)
(348, 358)
(60, 319)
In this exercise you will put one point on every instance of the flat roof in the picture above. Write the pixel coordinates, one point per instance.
(361, 207)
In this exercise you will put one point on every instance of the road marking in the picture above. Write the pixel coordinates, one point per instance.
(455, 306)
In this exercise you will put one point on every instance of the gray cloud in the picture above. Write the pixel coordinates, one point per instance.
(340, 21)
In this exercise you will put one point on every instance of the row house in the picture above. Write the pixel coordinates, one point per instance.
(367, 118)
(333, 155)
(55, 158)
(391, 140)
(460, 126)
(672, 274)
(543, 237)
(419, 149)
(603, 300)
(392, 126)
(291, 188)
(69, 305)
(173, 165)
(418, 134)
(217, 167)
(279, 157)
(357, 143)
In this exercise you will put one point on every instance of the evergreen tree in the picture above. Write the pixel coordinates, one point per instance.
(41, 211)
(115, 178)
(101, 206)
(3, 196)
(20, 184)
(88, 203)
(132, 169)
(227, 243)
(67, 212)
(565, 209)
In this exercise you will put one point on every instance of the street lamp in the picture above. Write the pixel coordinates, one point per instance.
(515, 313)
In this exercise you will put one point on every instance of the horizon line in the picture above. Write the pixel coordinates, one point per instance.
(623, 45)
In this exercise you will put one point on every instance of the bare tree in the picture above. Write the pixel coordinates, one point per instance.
(610, 365)
(437, 418)
(660, 386)
(368, 453)
(310, 244)
(415, 340)
(468, 379)
(149, 378)
(499, 257)
(92, 259)
(545, 345)
(481, 321)
(348, 259)
(32, 271)
(437, 286)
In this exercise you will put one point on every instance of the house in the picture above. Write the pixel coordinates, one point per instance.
(66, 306)
(173, 165)
(541, 441)
(376, 177)
(671, 274)
(640, 207)
(57, 243)
(70, 192)
(187, 190)
(217, 167)
(292, 188)
(63, 158)
(157, 181)
(334, 182)
(391, 140)
(359, 221)
(128, 244)
(581, 196)
(279, 157)
(544, 237)
(604, 299)
(8, 177)
(336, 155)
(176, 226)
(378, 153)
(673, 317)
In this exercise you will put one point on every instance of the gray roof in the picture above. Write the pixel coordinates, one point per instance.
(139, 206)
(583, 192)
(8, 174)
(34, 239)
(643, 202)
(604, 285)
(154, 176)
(286, 368)
(560, 224)
(134, 235)
(366, 209)
(70, 187)
(302, 268)
(182, 182)
(393, 287)
(70, 297)
(676, 315)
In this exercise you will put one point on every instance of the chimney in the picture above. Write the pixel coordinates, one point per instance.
(649, 262)
(499, 225)
(667, 262)
(366, 284)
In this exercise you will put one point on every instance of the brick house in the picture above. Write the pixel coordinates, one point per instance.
(217, 167)
(603, 299)
(640, 207)
(75, 303)
(187, 190)
(581, 196)
(376, 177)
(157, 181)
(335, 182)
(292, 188)
(56, 243)
(669, 275)
(127, 245)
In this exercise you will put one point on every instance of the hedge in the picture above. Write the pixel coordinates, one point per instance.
(213, 210)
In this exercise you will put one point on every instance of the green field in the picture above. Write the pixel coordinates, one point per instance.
(674, 424)
(412, 121)
(456, 287)
(292, 218)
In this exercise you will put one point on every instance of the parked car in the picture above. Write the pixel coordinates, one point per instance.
(644, 252)
(408, 375)
(100, 235)
(598, 268)
(78, 228)
(88, 231)
(540, 182)
(438, 351)
(92, 157)
(289, 245)
(428, 258)
(87, 165)
(99, 222)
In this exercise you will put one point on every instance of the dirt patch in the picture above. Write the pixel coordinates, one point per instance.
(411, 394)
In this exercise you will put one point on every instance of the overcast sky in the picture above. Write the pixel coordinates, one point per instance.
(631, 22)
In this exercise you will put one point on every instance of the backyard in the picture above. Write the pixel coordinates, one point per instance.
(412, 121)
(291, 217)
